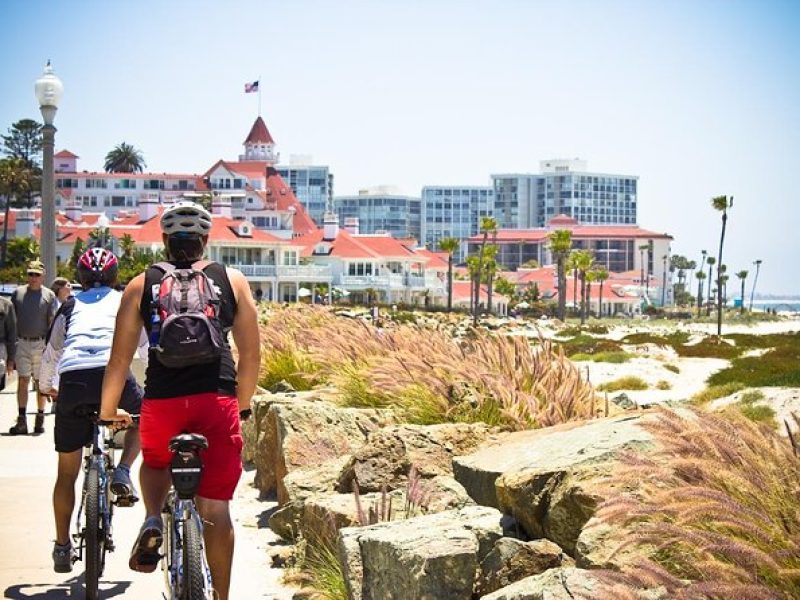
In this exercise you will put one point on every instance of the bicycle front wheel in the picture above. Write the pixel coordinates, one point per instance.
(94, 534)
(194, 578)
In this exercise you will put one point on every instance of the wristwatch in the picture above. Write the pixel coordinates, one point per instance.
(245, 414)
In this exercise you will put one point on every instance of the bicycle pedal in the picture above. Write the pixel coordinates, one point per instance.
(125, 501)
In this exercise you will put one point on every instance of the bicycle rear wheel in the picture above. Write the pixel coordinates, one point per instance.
(94, 534)
(194, 579)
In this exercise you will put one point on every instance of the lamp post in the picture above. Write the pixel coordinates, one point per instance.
(48, 92)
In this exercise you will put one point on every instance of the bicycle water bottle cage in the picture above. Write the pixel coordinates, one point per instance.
(186, 466)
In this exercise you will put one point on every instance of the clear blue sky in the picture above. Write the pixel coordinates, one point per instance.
(697, 98)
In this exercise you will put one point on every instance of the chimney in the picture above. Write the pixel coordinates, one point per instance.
(148, 207)
(24, 226)
(221, 205)
(351, 225)
(74, 210)
(330, 226)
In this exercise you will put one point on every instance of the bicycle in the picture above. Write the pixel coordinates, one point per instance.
(184, 563)
(95, 538)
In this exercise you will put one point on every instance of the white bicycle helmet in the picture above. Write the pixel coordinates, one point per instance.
(186, 217)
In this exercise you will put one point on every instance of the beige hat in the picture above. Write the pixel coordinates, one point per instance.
(36, 266)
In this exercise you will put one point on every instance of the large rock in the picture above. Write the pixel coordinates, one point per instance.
(301, 433)
(389, 453)
(549, 479)
(556, 584)
(511, 560)
(434, 557)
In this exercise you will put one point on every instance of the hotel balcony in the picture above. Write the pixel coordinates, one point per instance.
(299, 273)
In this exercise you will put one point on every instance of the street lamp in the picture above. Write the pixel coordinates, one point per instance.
(48, 92)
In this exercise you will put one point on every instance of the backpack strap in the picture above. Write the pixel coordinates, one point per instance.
(164, 266)
(201, 264)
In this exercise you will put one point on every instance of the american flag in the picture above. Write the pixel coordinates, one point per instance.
(251, 87)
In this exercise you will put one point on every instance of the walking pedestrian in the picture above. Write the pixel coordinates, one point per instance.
(62, 288)
(8, 339)
(208, 397)
(34, 305)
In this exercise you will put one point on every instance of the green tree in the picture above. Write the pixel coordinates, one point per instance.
(530, 264)
(449, 245)
(24, 140)
(560, 245)
(601, 275)
(488, 225)
(700, 275)
(473, 269)
(757, 263)
(711, 262)
(721, 204)
(505, 287)
(100, 237)
(742, 275)
(583, 263)
(124, 158)
(15, 181)
(490, 269)
(78, 248)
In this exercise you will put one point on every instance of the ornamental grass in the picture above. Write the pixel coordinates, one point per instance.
(425, 373)
(713, 513)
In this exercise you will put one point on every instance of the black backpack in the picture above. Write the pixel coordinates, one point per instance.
(185, 329)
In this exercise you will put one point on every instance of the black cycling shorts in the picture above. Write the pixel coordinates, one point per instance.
(79, 393)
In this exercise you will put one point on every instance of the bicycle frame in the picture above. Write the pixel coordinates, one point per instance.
(99, 454)
(182, 521)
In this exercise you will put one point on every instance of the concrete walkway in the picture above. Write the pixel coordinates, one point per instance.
(27, 474)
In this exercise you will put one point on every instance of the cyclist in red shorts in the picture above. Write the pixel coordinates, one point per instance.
(206, 398)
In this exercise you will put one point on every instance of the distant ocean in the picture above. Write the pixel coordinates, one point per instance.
(789, 305)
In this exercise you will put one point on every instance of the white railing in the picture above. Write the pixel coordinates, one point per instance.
(284, 271)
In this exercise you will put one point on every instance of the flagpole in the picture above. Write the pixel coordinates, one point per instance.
(259, 95)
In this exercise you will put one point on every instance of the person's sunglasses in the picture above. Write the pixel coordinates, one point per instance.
(34, 274)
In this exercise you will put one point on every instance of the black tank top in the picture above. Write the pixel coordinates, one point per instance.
(218, 376)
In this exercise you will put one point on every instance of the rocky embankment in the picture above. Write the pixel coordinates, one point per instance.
(453, 511)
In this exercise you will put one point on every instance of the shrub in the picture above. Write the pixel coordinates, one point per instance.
(713, 392)
(609, 357)
(758, 413)
(673, 368)
(777, 367)
(630, 382)
(426, 375)
(711, 513)
(663, 385)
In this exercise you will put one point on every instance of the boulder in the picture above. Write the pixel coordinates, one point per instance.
(429, 557)
(511, 560)
(555, 584)
(549, 479)
(300, 433)
(389, 453)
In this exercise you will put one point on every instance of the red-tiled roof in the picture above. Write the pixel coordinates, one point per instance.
(283, 195)
(65, 154)
(259, 134)
(436, 260)
(104, 175)
(578, 232)
(462, 292)
(347, 245)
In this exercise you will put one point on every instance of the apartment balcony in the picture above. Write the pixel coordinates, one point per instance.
(371, 281)
(286, 272)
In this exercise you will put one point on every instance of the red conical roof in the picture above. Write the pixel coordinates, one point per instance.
(259, 134)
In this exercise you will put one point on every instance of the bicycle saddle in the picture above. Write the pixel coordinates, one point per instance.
(188, 442)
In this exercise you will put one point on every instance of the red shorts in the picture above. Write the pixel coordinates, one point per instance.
(213, 415)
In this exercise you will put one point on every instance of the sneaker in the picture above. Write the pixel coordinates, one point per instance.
(38, 426)
(145, 554)
(21, 428)
(63, 557)
(122, 486)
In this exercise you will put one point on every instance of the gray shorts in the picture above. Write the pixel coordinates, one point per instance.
(29, 357)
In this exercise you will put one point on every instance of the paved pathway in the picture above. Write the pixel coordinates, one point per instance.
(27, 474)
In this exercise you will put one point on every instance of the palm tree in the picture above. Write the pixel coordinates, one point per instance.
(600, 274)
(742, 275)
(449, 245)
(711, 262)
(757, 263)
(15, 180)
(488, 225)
(560, 245)
(590, 276)
(489, 271)
(700, 275)
(572, 265)
(721, 204)
(474, 292)
(664, 281)
(124, 158)
(583, 262)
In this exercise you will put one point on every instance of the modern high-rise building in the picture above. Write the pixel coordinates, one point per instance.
(311, 184)
(564, 187)
(381, 209)
(453, 212)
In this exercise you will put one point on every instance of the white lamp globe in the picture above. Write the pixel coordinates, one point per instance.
(49, 90)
